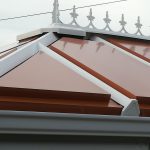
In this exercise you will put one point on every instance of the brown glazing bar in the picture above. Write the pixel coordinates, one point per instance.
(120, 71)
(30, 39)
(139, 48)
(43, 84)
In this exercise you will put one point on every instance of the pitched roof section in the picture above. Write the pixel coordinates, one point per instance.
(43, 84)
(140, 48)
(120, 71)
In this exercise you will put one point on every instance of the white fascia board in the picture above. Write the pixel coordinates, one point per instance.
(43, 123)
(98, 39)
(14, 59)
(131, 107)
(8, 46)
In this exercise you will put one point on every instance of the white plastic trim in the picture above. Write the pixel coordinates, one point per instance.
(14, 59)
(9, 62)
(66, 29)
(8, 46)
(58, 28)
(98, 39)
(29, 34)
(117, 34)
(47, 39)
(131, 107)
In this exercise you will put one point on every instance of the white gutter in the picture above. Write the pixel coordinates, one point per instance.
(131, 107)
(38, 123)
(14, 59)
(98, 39)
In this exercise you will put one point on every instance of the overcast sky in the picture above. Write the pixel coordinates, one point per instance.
(10, 8)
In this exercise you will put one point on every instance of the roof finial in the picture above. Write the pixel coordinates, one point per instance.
(74, 15)
(91, 19)
(55, 13)
(138, 26)
(107, 20)
(123, 23)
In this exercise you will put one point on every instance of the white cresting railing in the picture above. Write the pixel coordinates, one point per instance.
(92, 28)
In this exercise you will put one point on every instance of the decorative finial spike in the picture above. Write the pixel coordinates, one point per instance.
(138, 26)
(123, 17)
(55, 13)
(123, 24)
(107, 20)
(91, 11)
(74, 7)
(91, 19)
(107, 15)
(74, 15)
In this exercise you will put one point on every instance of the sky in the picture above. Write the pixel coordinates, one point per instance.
(10, 8)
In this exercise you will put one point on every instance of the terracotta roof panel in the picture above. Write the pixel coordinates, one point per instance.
(43, 84)
(140, 48)
(120, 71)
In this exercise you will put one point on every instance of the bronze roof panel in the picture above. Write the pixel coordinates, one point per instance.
(120, 71)
(140, 48)
(43, 84)
(43, 72)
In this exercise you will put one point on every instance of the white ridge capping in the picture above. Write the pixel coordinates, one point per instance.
(131, 107)
(29, 34)
(58, 28)
(98, 39)
(65, 29)
(14, 59)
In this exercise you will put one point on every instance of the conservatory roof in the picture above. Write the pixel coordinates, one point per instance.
(55, 73)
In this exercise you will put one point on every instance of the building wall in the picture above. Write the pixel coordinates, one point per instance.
(51, 142)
